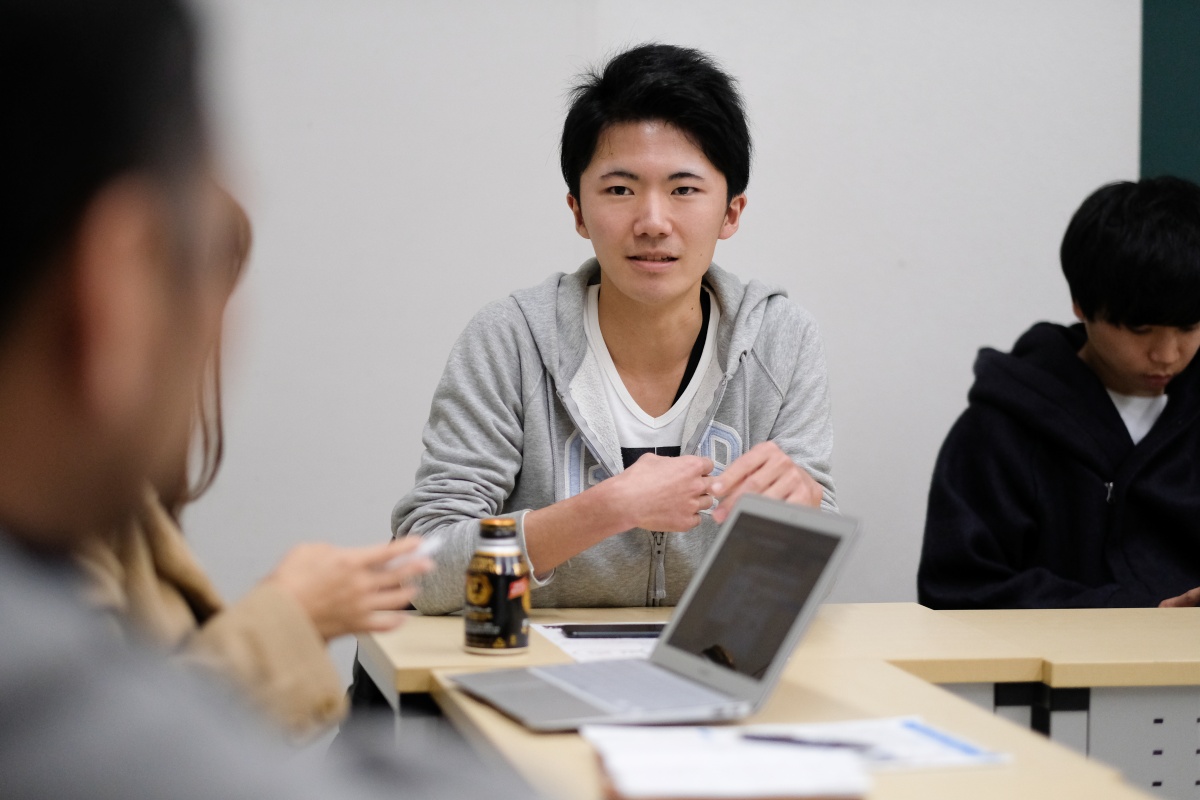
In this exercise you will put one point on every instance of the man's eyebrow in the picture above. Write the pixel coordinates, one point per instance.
(683, 175)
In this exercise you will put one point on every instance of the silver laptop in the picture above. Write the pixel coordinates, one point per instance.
(725, 647)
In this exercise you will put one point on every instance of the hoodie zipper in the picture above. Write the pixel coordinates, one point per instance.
(658, 571)
(658, 539)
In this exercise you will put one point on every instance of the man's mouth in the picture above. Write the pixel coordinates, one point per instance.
(654, 258)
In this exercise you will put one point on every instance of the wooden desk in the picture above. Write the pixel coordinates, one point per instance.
(564, 766)
(1101, 646)
(840, 671)
(926, 643)
(1121, 685)
(403, 660)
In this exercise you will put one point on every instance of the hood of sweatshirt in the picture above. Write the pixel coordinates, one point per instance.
(554, 308)
(1045, 385)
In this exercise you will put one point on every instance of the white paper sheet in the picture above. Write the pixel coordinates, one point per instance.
(596, 649)
(893, 743)
(704, 762)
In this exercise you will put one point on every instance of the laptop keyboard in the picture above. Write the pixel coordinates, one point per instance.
(622, 685)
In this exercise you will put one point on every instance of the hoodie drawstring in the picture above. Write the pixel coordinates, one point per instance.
(745, 398)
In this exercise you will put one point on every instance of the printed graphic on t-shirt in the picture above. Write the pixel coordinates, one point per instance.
(720, 442)
(629, 455)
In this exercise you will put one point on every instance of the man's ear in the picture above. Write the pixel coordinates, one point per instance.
(577, 211)
(1079, 315)
(116, 298)
(733, 217)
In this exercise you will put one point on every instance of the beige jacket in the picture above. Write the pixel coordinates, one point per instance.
(148, 580)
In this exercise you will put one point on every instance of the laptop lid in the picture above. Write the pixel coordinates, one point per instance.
(754, 596)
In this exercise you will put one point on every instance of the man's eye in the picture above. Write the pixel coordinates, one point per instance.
(619, 191)
(1188, 328)
(685, 190)
(1139, 330)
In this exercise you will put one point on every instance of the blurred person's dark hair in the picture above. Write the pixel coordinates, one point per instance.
(1131, 254)
(89, 92)
(679, 86)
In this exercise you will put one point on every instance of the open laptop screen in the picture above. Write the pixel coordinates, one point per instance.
(753, 593)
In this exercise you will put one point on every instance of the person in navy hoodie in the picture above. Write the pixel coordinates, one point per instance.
(1072, 479)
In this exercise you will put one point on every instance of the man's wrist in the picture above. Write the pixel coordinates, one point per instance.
(614, 504)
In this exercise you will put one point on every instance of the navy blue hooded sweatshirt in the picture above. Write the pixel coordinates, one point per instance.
(1040, 499)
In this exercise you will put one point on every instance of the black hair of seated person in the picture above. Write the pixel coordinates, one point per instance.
(89, 91)
(1131, 254)
(679, 86)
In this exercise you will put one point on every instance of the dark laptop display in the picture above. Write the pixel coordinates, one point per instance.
(752, 594)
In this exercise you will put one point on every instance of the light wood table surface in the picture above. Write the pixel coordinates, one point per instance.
(406, 657)
(926, 643)
(820, 690)
(1101, 646)
(857, 661)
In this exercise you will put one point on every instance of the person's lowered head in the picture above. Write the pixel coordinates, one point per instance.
(1131, 256)
(1090, 429)
(108, 308)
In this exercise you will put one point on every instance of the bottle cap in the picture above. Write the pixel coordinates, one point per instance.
(498, 528)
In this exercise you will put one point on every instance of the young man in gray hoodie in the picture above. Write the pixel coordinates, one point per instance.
(618, 412)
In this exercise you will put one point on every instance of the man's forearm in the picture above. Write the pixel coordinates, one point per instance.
(567, 528)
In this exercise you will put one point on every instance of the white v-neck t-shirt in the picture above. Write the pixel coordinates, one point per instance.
(1138, 413)
(636, 428)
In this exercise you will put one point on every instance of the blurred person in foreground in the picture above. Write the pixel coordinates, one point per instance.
(272, 643)
(109, 308)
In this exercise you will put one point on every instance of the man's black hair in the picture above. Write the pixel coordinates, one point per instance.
(676, 85)
(1131, 254)
(89, 91)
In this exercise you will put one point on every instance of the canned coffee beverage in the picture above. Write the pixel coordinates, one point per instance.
(497, 607)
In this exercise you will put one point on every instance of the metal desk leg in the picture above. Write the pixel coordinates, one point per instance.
(1062, 714)
(980, 694)
(1015, 701)
(1151, 734)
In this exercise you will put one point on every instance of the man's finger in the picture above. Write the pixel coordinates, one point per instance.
(782, 487)
(738, 471)
(383, 621)
(805, 496)
(380, 554)
(394, 599)
(408, 568)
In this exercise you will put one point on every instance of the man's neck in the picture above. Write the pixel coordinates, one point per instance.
(649, 340)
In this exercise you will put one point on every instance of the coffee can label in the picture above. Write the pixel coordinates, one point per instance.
(497, 607)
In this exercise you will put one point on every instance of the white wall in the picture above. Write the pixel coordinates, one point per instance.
(916, 165)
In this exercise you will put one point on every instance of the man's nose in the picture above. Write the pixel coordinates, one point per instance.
(653, 217)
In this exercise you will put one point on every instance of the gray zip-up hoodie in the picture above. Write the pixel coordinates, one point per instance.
(520, 421)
